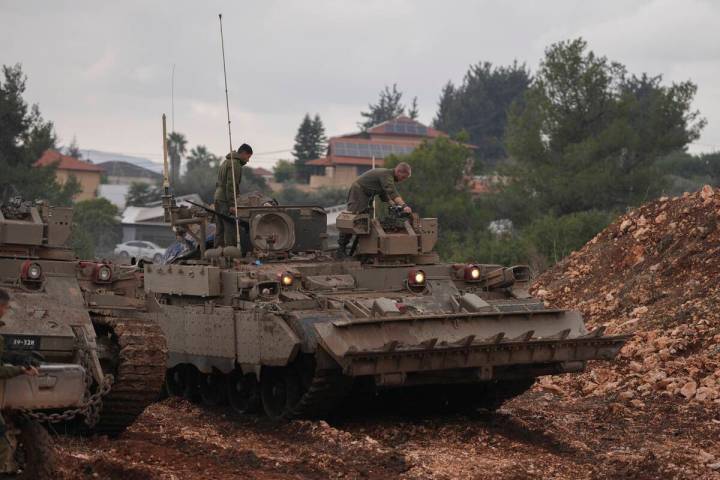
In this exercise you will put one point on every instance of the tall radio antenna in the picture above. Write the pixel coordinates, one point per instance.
(172, 98)
(232, 161)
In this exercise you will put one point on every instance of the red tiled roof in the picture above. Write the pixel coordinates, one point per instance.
(64, 162)
(262, 172)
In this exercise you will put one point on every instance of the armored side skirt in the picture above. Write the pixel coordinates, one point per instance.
(57, 386)
(460, 341)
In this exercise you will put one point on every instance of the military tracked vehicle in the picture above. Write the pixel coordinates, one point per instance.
(101, 361)
(280, 324)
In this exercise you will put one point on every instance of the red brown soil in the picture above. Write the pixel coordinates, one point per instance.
(654, 413)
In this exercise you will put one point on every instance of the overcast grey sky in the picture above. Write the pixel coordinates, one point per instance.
(101, 70)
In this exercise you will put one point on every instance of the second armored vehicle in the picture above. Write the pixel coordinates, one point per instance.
(102, 361)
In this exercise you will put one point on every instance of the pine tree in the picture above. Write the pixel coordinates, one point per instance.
(442, 118)
(389, 106)
(24, 136)
(73, 150)
(414, 111)
(310, 143)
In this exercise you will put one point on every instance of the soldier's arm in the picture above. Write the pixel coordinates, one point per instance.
(229, 179)
(222, 177)
(391, 193)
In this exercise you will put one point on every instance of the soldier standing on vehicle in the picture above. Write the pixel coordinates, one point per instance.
(7, 464)
(225, 235)
(380, 182)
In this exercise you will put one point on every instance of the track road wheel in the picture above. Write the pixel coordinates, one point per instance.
(212, 388)
(274, 394)
(243, 393)
(175, 381)
(191, 379)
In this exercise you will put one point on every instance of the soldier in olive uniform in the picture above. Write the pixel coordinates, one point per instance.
(7, 464)
(380, 182)
(225, 234)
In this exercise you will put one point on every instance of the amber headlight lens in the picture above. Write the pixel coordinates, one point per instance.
(286, 279)
(416, 278)
(473, 273)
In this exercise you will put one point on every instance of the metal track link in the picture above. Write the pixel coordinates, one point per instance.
(140, 371)
(327, 389)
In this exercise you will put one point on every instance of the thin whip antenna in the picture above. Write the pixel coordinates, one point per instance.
(172, 98)
(227, 107)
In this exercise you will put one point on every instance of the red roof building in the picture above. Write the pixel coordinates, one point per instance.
(88, 174)
(351, 155)
(263, 173)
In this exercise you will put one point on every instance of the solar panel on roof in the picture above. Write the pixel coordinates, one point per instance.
(406, 128)
(367, 150)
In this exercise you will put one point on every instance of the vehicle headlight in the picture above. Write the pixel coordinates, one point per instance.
(103, 273)
(31, 272)
(286, 279)
(473, 273)
(34, 272)
(416, 278)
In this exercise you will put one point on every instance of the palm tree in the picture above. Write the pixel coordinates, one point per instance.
(176, 145)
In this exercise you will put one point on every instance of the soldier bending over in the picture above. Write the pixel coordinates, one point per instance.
(381, 182)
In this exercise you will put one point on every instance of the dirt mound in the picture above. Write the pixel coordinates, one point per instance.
(654, 273)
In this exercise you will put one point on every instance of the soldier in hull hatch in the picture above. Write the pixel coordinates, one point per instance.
(228, 185)
(377, 182)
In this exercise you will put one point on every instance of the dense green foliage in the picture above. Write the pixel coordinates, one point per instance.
(24, 136)
(325, 197)
(310, 143)
(388, 106)
(479, 107)
(284, 171)
(585, 139)
(588, 135)
(96, 228)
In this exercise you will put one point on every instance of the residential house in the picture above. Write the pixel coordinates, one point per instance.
(119, 175)
(351, 155)
(119, 172)
(86, 173)
(264, 173)
(148, 223)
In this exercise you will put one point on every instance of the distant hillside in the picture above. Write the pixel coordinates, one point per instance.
(97, 156)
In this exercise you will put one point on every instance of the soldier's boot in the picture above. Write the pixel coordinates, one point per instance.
(343, 241)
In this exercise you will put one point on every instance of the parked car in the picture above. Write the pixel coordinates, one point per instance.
(140, 249)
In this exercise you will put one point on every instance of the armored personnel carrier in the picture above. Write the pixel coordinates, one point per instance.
(101, 361)
(280, 324)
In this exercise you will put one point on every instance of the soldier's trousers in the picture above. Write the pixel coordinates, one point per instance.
(225, 235)
(357, 202)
